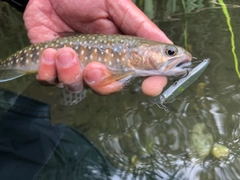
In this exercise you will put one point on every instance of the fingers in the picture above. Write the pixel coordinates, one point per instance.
(123, 12)
(69, 70)
(60, 66)
(153, 86)
(63, 67)
(100, 80)
(47, 73)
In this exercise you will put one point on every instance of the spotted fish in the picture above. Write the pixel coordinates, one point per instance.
(124, 56)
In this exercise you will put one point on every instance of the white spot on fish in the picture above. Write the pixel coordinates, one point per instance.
(82, 52)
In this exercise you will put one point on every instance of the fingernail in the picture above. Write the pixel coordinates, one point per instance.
(65, 59)
(48, 58)
(93, 76)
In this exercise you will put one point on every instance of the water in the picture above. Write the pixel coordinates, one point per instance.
(141, 140)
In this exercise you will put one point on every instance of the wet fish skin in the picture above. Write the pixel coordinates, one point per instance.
(122, 54)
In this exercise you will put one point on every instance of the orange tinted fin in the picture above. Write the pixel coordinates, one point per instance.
(110, 78)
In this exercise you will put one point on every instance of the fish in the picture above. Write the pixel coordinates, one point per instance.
(125, 56)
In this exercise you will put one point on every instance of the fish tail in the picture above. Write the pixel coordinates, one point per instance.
(8, 75)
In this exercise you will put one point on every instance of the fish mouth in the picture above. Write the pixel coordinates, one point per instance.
(179, 63)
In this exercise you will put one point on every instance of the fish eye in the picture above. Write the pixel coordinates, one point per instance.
(171, 50)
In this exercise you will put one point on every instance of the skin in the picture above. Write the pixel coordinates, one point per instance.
(45, 18)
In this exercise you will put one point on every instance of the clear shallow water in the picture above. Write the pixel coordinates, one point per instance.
(140, 139)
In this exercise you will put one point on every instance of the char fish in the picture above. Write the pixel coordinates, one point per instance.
(125, 56)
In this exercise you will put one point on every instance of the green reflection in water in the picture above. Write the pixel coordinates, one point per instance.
(228, 19)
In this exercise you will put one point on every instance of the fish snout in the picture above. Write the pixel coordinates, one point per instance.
(189, 56)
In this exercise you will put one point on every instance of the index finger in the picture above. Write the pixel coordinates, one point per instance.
(131, 20)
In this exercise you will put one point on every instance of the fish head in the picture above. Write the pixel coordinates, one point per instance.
(167, 59)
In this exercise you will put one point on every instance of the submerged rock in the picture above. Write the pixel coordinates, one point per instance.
(220, 151)
(201, 142)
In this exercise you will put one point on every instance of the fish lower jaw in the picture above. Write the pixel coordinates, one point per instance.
(183, 65)
(177, 71)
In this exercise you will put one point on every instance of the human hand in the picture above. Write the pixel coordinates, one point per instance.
(45, 18)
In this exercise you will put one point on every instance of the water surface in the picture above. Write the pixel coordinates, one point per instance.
(140, 139)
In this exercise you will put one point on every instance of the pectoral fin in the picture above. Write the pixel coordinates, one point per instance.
(112, 77)
(8, 75)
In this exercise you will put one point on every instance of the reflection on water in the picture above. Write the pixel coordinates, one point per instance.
(142, 140)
